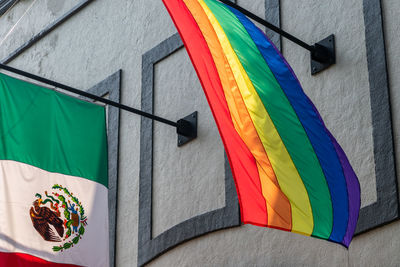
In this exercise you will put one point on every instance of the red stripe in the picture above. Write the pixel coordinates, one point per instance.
(242, 162)
(24, 260)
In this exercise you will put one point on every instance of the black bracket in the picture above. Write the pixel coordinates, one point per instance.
(187, 129)
(323, 55)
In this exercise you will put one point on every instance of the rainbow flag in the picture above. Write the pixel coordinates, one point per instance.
(290, 172)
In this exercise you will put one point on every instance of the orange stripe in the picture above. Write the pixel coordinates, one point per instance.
(278, 205)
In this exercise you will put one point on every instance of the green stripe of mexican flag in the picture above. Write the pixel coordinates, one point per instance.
(53, 176)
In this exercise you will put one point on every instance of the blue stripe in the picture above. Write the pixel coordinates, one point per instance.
(314, 128)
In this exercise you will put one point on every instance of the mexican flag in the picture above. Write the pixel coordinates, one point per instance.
(53, 178)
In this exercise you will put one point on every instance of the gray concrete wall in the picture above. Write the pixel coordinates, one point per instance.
(107, 35)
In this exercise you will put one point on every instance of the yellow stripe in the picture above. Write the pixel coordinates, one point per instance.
(287, 174)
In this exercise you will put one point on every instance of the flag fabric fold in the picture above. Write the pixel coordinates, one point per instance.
(53, 178)
(290, 172)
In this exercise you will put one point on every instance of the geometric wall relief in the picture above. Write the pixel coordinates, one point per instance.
(386, 208)
(150, 247)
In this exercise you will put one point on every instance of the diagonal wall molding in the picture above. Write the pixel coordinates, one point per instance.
(150, 247)
(5, 5)
(49, 28)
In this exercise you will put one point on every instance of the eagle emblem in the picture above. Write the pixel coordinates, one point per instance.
(58, 217)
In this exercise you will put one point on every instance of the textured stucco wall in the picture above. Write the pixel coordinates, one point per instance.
(180, 183)
(109, 35)
(21, 22)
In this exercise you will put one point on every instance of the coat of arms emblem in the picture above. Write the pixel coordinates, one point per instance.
(58, 216)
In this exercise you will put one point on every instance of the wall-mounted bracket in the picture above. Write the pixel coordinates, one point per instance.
(187, 129)
(324, 55)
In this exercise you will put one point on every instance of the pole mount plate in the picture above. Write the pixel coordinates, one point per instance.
(187, 129)
(327, 44)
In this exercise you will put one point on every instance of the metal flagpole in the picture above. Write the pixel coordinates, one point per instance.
(185, 127)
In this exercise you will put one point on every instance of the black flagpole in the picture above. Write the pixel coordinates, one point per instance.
(183, 126)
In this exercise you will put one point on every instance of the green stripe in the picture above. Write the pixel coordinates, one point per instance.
(52, 131)
(283, 116)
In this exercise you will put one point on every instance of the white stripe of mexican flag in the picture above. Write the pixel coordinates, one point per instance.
(53, 178)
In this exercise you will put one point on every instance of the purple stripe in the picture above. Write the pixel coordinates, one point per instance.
(353, 190)
(353, 186)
